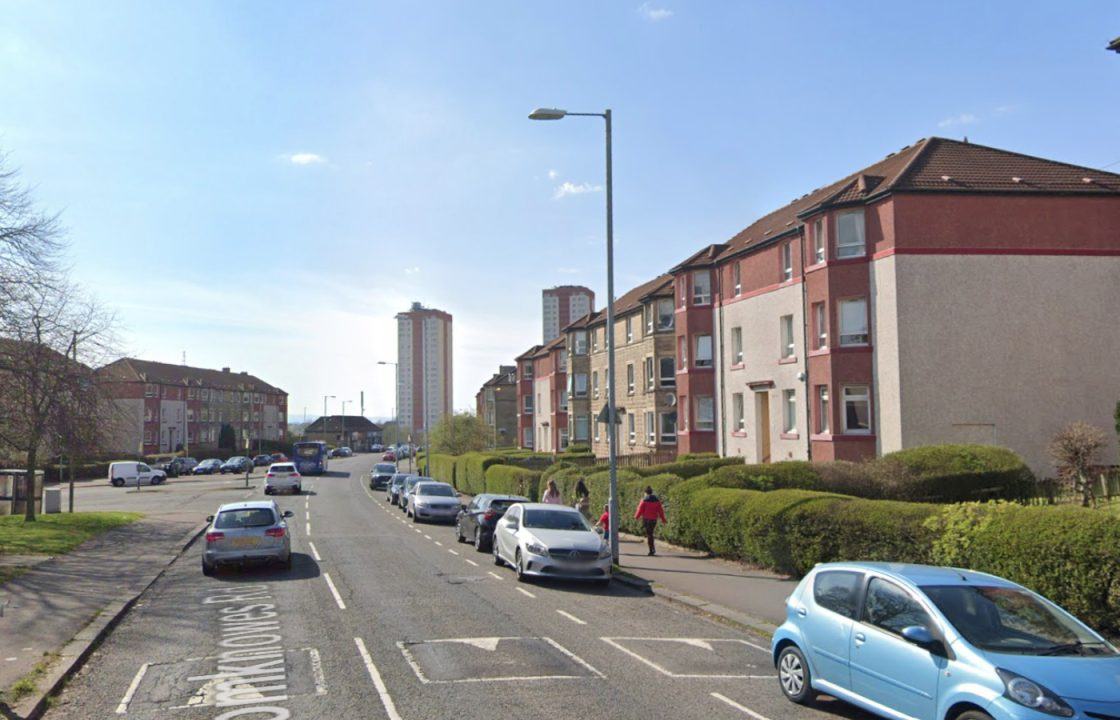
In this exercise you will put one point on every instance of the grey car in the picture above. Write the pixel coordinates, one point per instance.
(247, 533)
(409, 486)
(381, 474)
(395, 488)
(434, 501)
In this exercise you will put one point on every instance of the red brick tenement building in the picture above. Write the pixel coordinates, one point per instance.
(525, 398)
(550, 396)
(950, 292)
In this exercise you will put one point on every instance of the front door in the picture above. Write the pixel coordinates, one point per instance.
(762, 425)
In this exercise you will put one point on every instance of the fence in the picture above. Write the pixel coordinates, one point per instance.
(1105, 485)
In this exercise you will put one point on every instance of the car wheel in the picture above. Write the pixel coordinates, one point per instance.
(519, 567)
(267, 490)
(118, 482)
(497, 558)
(793, 676)
(459, 533)
(207, 569)
(974, 715)
(299, 489)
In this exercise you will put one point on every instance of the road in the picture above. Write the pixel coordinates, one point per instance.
(380, 618)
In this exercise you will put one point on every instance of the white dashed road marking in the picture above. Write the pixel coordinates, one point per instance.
(307, 527)
(427, 537)
(452, 551)
(523, 591)
(382, 691)
(495, 575)
(314, 552)
(122, 708)
(437, 542)
(472, 562)
(571, 617)
(739, 707)
(334, 591)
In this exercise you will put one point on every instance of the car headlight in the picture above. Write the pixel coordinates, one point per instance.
(1030, 694)
(604, 552)
(536, 548)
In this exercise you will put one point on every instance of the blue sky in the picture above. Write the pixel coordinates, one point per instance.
(265, 184)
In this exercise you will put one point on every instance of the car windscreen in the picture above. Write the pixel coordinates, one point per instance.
(555, 520)
(248, 518)
(283, 468)
(385, 468)
(1009, 620)
(436, 490)
(500, 506)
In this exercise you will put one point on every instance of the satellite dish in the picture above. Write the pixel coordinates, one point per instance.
(670, 399)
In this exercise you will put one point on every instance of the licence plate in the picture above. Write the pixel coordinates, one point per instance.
(244, 542)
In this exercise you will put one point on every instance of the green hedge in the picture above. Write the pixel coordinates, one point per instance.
(513, 480)
(954, 473)
(470, 471)
(687, 468)
(443, 468)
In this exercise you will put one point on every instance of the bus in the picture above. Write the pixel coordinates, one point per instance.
(310, 457)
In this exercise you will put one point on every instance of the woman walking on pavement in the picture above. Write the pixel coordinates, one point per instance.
(649, 512)
(583, 498)
(552, 494)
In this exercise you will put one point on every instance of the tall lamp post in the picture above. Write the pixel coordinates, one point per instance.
(325, 398)
(343, 434)
(396, 388)
(612, 428)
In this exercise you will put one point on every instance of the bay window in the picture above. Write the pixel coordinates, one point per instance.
(701, 287)
(703, 351)
(857, 410)
(853, 321)
(705, 412)
(668, 372)
(849, 234)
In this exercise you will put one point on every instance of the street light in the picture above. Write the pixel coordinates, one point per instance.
(612, 429)
(396, 388)
(344, 443)
(325, 398)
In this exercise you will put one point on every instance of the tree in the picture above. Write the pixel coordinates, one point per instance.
(48, 327)
(460, 433)
(226, 439)
(1074, 450)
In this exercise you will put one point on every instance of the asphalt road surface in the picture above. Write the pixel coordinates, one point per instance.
(381, 618)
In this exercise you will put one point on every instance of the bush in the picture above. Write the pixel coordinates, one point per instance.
(772, 476)
(698, 456)
(1067, 553)
(513, 480)
(470, 471)
(687, 468)
(631, 492)
(443, 468)
(953, 473)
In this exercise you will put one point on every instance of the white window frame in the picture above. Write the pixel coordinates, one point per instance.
(789, 412)
(630, 385)
(737, 277)
(527, 405)
(787, 261)
(856, 393)
(670, 438)
(819, 244)
(629, 329)
(595, 384)
(651, 431)
(738, 413)
(669, 380)
(702, 424)
(847, 338)
(596, 429)
(857, 244)
(671, 314)
(631, 428)
(576, 391)
(702, 359)
(788, 340)
(648, 367)
(584, 422)
(820, 318)
(682, 351)
(824, 404)
(736, 345)
(579, 344)
(701, 291)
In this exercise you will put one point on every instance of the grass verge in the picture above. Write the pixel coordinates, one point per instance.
(29, 683)
(56, 534)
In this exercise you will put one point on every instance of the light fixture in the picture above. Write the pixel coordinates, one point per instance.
(547, 114)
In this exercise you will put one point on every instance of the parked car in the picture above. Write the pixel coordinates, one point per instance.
(395, 489)
(262, 461)
(237, 464)
(176, 466)
(279, 457)
(247, 533)
(133, 473)
(540, 540)
(918, 641)
(208, 466)
(475, 522)
(389, 456)
(376, 447)
(282, 477)
(409, 486)
(403, 451)
(433, 500)
(381, 474)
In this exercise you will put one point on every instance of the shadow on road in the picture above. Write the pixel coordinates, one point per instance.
(303, 567)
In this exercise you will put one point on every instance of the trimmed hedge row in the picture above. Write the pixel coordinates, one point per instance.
(955, 473)
(513, 480)
(688, 468)
(442, 467)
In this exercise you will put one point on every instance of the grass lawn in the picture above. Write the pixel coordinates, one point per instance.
(58, 533)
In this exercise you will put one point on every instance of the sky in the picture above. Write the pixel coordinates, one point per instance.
(264, 185)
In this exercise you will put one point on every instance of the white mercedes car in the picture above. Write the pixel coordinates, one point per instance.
(539, 540)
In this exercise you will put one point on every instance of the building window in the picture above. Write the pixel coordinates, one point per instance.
(528, 404)
(818, 240)
(649, 374)
(668, 428)
(562, 401)
(651, 429)
(527, 437)
(857, 410)
(737, 278)
(579, 384)
(853, 321)
(682, 290)
(701, 287)
(190, 415)
(820, 326)
(580, 344)
(668, 370)
(649, 314)
(849, 234)
(581, 428)
(596, 432)
(205, 394)
(682, 347)
(738, 416)
(594, 341)
(823, 417)
(787, 261)
(664, 314)
(629, 378)
(629, 329)
(703, 351)
(631, 430)
(595, 384)
(789, 411)
(736, 345)
(683, 405)
(787, 336)
(147, 437)
(705, 412)
(150, 390)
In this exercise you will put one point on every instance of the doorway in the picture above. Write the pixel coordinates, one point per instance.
(762, 425)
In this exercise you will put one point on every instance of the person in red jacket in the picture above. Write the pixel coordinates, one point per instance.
(649, 512)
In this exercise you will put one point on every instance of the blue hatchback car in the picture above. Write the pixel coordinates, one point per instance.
(931, 643)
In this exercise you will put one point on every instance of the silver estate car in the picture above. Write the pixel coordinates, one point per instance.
(433, 501)
(247, 533)
(407, 489)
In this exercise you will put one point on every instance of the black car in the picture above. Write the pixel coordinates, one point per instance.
(381, 474)
(262, 460)
(237, 465)
(476, 521)
(207, 467)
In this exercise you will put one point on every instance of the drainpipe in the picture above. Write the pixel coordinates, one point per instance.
(805, 344)
(720, 359)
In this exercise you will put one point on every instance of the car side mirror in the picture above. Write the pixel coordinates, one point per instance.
(288, 513)
(922, 637)
(209, 518)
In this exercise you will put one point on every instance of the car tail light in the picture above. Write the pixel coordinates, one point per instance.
(489, 515)
(276, 532)
(295, 475)
(269, 475)
(214, 537)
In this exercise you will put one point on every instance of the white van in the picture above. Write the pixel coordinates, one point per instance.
(132, 473)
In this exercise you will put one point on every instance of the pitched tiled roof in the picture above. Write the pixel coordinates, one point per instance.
(633, 299)
(333, 423)
(528, 353)
(930, 165)
(506, 376)
(584, 321)
(169, 374)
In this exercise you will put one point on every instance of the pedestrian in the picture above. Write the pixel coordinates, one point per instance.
(605, 522)
(552, 494)
(649, 512)
(583, 498)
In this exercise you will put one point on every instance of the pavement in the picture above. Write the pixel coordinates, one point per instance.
(380, 617)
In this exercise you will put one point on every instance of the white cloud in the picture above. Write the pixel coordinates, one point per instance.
(305, 158)
(569, 188)
(411, 270)
(962, 119)
(552, 174)
(654, 14)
